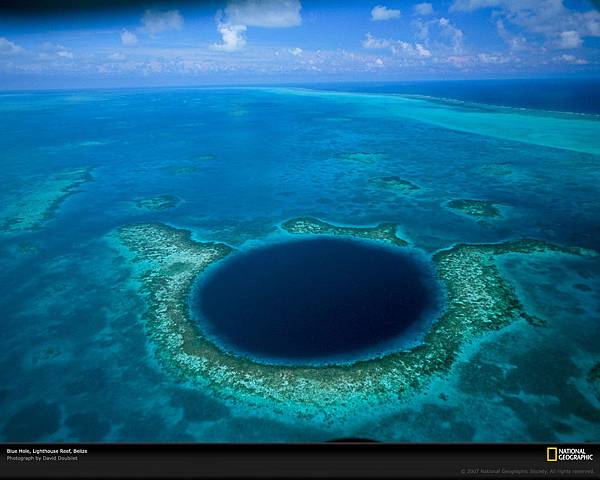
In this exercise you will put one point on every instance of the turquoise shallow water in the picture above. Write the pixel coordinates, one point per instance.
(74, 360)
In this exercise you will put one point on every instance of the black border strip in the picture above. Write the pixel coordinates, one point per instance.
(301, 460)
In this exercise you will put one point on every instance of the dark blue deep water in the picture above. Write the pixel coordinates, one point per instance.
(562, 95)
(313, 299)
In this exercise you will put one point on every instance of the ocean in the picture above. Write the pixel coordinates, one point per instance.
(448, 163)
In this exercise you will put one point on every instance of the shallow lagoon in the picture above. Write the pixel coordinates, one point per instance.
(74, 348)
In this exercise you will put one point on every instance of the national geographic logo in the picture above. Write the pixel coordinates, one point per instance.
(556, 454)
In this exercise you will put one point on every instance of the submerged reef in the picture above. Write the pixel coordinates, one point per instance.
(362, 157)
(179, 169)
(582, 287)
(479, 300)
(204, 157)
(29, 209)
(594, 380)
(475, 208)
(385, 232)
(26, 249)
(499, 169)
(394, 183)
(160, 202)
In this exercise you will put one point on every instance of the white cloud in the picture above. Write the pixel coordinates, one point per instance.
(515, 42)
(238, 15)
(65, 54)
(383, 13)
(296, 51)
(470, 5)
(549, 18)
(128, 38)
(448, 36)
(439, 34)
(455, 35)
(234, 38)
(572, 59)
(423, 8)
(156, 21)
(591, 22)
(374, 43)
(374, 63)
(264, 13)
(9, 48)
(459, 61)
(55, 50)
(397, 47)
(422, 51)
(491, 58)
(404, 49)
(118, 56)
(569, 39)
(422, 29)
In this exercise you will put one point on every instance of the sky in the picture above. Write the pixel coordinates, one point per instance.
(294, 41)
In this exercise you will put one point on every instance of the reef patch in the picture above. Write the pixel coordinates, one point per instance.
(481, 209)
(24, 249)
(362, 157)
(594, 380)
(479, 300)
(29, 209)
(179, 169)
(204, 157)
(499, 169)
(394, 183)
(158, 203)
(385, 232)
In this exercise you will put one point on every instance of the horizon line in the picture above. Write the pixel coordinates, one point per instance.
(297, 83)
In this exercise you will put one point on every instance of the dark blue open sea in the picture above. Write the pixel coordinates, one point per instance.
(561, 95)
(233, 164)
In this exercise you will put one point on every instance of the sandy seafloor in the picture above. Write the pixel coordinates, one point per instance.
(75, 361)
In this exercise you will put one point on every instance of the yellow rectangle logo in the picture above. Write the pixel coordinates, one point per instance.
(551, 454)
